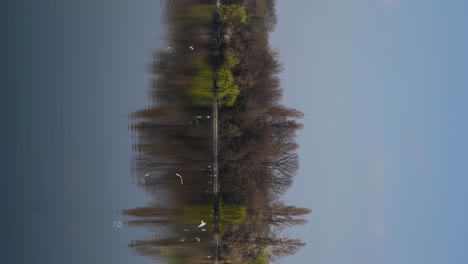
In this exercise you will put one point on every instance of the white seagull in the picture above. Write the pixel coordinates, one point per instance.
(178, 175)
(146, 175)
(191, 47)
(197, 239)
(202, 224)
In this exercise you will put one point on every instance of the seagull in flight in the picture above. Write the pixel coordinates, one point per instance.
(197, 239)
(178, 175)
(202, 224)
(191, 47)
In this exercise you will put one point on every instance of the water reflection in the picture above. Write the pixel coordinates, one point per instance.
(176, 144)
(173, 142)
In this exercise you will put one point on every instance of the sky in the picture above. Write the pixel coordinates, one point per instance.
(383, 153)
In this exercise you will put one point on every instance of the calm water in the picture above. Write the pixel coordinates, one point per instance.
(91, 138)
(70, 74)
(173, 158)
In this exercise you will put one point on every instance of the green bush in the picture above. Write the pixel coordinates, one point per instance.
(260, 258)
(232, 214)
(227, 90)
(233, 14)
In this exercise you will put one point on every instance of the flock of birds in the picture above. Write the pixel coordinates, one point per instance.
(202, 223)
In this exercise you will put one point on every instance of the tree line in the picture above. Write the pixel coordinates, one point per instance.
(258, 148)
(257, 138)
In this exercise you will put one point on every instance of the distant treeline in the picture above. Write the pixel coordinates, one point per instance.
(258, 159)
(257, 139)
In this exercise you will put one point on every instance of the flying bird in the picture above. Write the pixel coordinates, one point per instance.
(202, 224)
(178, 175)
(191, 47)
(197, 239)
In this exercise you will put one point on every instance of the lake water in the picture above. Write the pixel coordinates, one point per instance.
(71, 73)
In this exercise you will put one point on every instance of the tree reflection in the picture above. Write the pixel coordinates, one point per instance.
(257, 148)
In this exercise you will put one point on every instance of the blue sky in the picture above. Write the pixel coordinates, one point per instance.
(382, 84)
